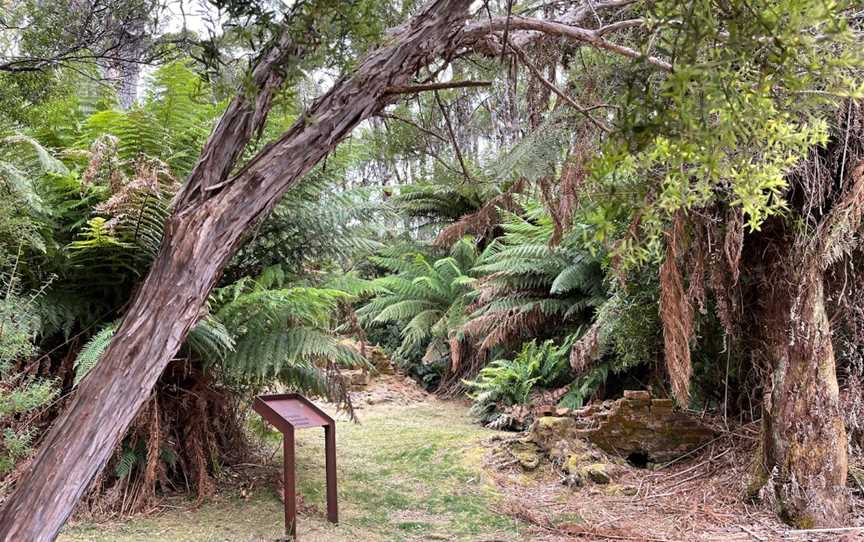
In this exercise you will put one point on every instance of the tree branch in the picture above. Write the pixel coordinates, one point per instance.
(412, 123)
(414, 89)
(558, 92)
(476, 31)
(452, 136)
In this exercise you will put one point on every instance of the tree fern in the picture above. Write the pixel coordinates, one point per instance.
(527, 286)
(285, 334)
(426, 298)
(23, 211)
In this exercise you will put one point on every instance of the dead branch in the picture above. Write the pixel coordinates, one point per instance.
(414, 89)
(475, 31)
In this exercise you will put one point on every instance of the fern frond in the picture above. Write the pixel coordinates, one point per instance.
(211, 340)
(92, 352)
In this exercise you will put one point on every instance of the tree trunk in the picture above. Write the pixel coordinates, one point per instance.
(803, 449)
(202, 234)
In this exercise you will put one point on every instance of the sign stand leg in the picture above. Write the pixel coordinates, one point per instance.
(330, 456)
(289, 486)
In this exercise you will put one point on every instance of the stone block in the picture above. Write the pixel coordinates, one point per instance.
(637, 395)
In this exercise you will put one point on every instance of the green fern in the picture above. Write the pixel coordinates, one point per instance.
(211, 340)
(508, 382)
(427, 299)
(528, 287)
(130, 458)
(23, 209)
(285, 334)
(92, 352)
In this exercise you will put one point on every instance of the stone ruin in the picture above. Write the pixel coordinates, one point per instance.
(640, 428)
(359, 379)
(596, 443)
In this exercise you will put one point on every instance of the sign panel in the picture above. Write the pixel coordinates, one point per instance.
(288, 412)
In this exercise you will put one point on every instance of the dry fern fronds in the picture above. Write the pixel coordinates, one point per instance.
(481, 222)
(733, 242)
(587, 349)
(676, 314)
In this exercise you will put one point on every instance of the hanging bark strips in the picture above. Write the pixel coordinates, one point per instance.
(676, 313)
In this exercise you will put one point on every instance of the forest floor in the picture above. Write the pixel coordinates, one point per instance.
(418, 469)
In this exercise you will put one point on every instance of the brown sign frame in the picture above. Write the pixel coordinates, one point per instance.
(288, 412)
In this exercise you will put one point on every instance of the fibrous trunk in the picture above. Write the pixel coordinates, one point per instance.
(803, 454)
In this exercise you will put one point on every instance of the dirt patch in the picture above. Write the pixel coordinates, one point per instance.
(389, 389)
(698, 497)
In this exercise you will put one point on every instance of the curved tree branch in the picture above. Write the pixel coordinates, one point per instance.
(475, 32)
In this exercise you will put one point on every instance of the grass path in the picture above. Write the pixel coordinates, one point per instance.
(406, 473)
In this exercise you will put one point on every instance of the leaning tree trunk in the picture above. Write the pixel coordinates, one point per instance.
(202, 234)
(804, 462)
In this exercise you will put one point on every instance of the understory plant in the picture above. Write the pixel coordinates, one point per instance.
(506, 382)
(22, 395)
(529, 286)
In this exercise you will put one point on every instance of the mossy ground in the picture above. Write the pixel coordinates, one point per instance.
(407, 472)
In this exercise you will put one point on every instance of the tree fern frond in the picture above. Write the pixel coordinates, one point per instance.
(211, 340)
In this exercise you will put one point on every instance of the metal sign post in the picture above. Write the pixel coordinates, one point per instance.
(288, 412)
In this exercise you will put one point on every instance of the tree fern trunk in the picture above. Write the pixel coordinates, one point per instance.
(203, 233)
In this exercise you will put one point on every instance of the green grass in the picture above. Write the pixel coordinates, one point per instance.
(406, 473)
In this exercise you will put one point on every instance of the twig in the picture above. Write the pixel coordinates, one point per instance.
(506, 30)
(603, 30)
(825, 530)
(606, 536)
(548, 84)
(452, 136)
(751, 533)
(412, 123)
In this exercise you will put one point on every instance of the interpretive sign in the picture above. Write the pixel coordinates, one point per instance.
(288, 412)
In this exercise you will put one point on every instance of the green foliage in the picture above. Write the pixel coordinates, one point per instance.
(745, 102)
(92, 351)
(23, 211)
(426, 297)
(21, 395)
(506, 382)
(584, 387)
(284, 334)
(540, 153)
(313, 227)
(171, 125)
(437, 204)
(526, 286)
(630, 323)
